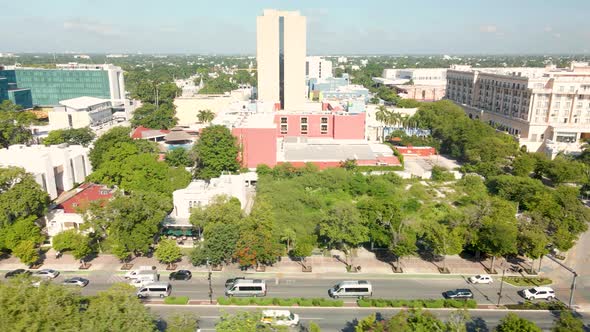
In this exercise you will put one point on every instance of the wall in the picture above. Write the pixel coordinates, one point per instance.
(259, 146)
(313, 125)
(188, 108)
(349, 126)
(295, 52)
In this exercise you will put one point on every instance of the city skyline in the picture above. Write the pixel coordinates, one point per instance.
(379, 27)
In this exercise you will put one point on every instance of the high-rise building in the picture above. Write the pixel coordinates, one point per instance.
(317, 67)
(280, 52)
(548, 109)
(50, 86)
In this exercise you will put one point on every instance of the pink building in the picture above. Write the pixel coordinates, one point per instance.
(325, 124)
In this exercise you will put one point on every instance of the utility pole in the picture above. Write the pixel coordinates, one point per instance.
(575, 274)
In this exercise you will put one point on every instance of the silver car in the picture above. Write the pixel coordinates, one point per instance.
(76, 281)
(46, 273)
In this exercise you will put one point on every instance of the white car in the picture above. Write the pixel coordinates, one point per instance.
(279, 318)
(138, 283)
(481, 279)
(46, 273)
(76, 281)
(536, 293)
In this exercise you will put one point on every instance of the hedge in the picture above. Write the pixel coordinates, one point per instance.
(528, 281)
(176, 300)
(528, 305)
(288, 302)
(431, 304)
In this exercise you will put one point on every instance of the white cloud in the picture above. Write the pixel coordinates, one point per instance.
(557, 35)
(489, 28)
(91, 26)
(548, 29)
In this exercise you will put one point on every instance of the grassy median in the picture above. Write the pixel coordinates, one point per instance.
(298, 301)
(431, 304)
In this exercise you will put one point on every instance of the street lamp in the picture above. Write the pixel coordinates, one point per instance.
(501, 282)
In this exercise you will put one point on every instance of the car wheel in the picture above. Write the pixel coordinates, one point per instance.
(161, 295)
(550, 298)
(336, 296)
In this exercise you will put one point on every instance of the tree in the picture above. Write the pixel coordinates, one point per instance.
(80, 136)
(349, 164)
(22, 229)
(220, 210)
(498, 233)
(155, 117)
(205, 116)
(343, 227)
(218, 85)
(107, 141)
(132, 221)
(242, 321)
(444, 241)
(524, 164)
(568, 323)
(219, 245)
(179, 157)
(514, 323)
(563, 170)
(168, 252)
(415, 320)
(258, 242)
(27, 252)
(533, 243)
(73, 241)
(182, 322)
(20, 196)
(303, 248)
(117, 309)
(216, 152)
(14, 125)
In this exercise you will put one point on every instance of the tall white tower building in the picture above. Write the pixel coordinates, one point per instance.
(280, 52)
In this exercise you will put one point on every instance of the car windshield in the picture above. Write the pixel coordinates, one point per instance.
(478, 277)
(533, 291)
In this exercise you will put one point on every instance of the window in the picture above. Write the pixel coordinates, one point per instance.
(303, 129)
(557, 104)
(572, 88)
(283, 120)
(303, 120)
(283, 129)
(561, 88)
(324, 129)
(324, 120)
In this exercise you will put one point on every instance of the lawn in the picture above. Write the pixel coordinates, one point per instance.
(526, 281)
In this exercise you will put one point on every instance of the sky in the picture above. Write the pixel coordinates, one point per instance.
(333, 27)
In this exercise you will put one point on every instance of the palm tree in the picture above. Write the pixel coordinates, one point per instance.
(382, 115)
(205, 116)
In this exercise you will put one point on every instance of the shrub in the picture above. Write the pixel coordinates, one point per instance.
(287, 302)
(305, 302)
(176, 300)
(434, 303)
(430, 303)
(364, 303)
(223, 301)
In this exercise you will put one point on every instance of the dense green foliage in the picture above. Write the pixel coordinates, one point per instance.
(218, 85)
(168, 251)
(428, 303)
(413, 320)
(216, 152)
(22, 201)
(179, 157)
(81, 136)
(284, 302)
(71, 240)
(14, 125)
(513, 323)
(51, 307)
(182, 322)
(155, 117)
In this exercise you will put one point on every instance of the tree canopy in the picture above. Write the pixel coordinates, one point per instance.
(216, 152)
(155, 117)
(80, 136)
(14, 124)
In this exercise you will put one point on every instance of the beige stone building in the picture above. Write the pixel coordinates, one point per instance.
(280, 52)
(548, 109)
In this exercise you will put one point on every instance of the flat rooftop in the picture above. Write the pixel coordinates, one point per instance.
(309, 149)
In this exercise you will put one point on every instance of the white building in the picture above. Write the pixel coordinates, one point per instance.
(419, 76)
(81, 112)
(56, 168)
(199, 193)
(317, 67)
(280, 52)
(547, 109)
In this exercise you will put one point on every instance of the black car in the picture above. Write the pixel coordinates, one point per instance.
(231, 281)
(16, 273)
(181, 275)
(459, 294)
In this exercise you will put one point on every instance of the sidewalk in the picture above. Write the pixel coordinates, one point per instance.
(321, 265)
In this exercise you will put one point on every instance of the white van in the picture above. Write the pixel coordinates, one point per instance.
(246, 287)
(156, 289)
(355, 288)
(144, 278)
(279, 318)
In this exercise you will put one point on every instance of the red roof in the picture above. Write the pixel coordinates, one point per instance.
(141, 132)
(87, 193)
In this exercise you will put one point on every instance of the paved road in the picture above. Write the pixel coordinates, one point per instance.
(344, 319)
(417, 288)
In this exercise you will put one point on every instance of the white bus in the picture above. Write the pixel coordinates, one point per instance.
(156, 289)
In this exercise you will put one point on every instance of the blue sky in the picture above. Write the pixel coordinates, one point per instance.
(334, 27)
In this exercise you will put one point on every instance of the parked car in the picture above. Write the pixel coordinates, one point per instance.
(462, 293)
(181, 275)
(76, 281)
(279, 318)
(46, 273)
(536, 293)
(231, 281)
(17, 272)
(481, 279)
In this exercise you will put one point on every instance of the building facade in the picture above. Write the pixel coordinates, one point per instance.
(280, 53)
(317, 67)
(81, 112)
(9, 90)
(56, 168)
(548, 109)
(50, 86)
